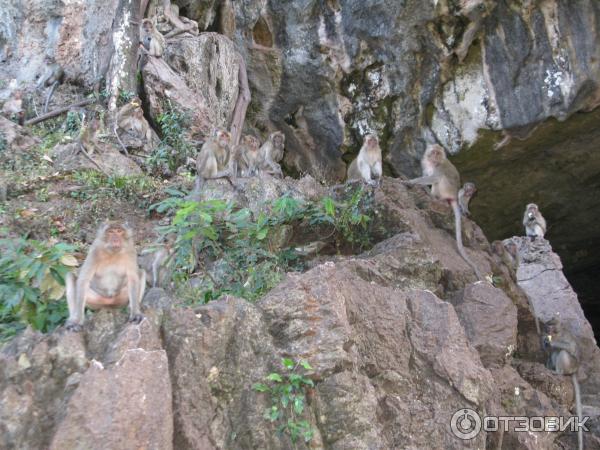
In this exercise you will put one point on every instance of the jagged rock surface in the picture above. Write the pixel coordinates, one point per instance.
(390, 357)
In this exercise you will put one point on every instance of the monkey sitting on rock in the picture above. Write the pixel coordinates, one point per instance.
(109, 277)
(367, 166)
(564, 359)
(534, 222)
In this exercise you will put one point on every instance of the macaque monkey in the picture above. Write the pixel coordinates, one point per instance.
(109, 277)
(247, 157)
(88, 141)
(180, 24)
(476, 11)
(13, 107)
(367, 165)
(563, 358)
(464, 197)
(130, 118)
(213, 159)
(151, 41)
(534, 222)
(271, 152)
(444, 180)
(156, 262)
(52, 77)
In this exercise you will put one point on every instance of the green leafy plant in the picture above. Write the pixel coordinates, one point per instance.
(288, 399)
(234, 251)
(32, 277)
(72, 124)
(128, 187)
(174, 149)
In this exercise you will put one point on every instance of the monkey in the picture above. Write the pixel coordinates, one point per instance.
(88, 141)
(151, 41)
(180, 24)
(271, 152)
(246, 157)
(109, 277)
(52, 77)
(444, 179)
(156, 261)
(563, 359)
(534, 222)
(213, 159)
(130, 118)
(464, 197)
(13, 107)
(476, 12)
(367, 164)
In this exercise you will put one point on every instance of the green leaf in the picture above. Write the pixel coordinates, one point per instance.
(260, 387)
(275, 377)
(288, 363)
(299, 404)
(274, 414)
(329, 206)
(306, 365)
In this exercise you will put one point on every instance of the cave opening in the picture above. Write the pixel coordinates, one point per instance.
(557, 167)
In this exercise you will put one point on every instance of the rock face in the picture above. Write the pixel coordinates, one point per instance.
(399, 339)
(197, 76)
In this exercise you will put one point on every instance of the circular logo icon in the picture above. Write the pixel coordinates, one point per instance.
(465, 424)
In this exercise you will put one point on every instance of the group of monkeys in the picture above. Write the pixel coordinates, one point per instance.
(220, 158)
(111, 276)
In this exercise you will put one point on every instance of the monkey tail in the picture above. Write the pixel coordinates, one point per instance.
(50, 96)
(459, 244)
(120, 141)
(578, 410)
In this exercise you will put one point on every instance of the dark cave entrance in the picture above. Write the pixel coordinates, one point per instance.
(558, 167)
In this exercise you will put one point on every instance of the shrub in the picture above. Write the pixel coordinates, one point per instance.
(32, 284)
(233, 251)
(288, 399)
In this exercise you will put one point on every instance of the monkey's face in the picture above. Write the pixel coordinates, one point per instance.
(223, 138)
(147, 26)
(251, 143)
(470, 189)
(532, 210)
(278, 139)
(116, 236)
(371, 140)
(435, 155)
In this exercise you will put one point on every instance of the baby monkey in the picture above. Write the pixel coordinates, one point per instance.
(464, 197)
(109, 277)
(563, 358)
(534, 222)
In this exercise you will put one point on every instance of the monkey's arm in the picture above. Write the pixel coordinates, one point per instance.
(563, 345)
(364, 169)
(76, 294)
(429, 180)
(377, 169)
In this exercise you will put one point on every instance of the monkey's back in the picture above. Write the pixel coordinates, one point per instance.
(447, 188)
